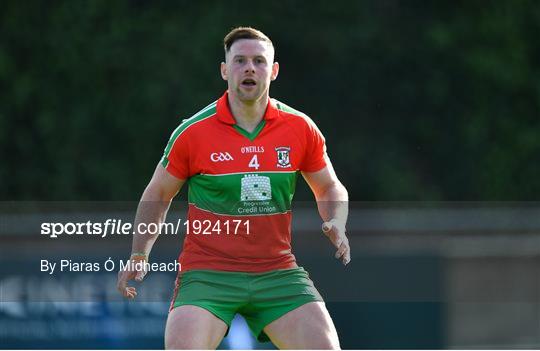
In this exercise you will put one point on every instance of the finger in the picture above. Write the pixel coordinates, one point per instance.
(140, 275)
(343, 247)
(122, 282)
(127, 292)
(131, 294)
(347, 257)
(341, 250)
(124, 277)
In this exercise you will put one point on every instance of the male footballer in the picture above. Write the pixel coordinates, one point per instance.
(241, 156)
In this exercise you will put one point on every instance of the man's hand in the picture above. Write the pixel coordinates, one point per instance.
(336, 233)
(136, 271)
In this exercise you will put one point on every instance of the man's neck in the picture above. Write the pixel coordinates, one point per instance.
(248, 115)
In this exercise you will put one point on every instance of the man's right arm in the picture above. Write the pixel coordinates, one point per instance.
(152, 208)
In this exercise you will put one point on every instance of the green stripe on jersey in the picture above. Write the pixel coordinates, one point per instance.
(206, 112)
(251, 136)
(246, 194)
(282, 107)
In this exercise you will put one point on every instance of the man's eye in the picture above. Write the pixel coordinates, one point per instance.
(239, 60)
(259, 60)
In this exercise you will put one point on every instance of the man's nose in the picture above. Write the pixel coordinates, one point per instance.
(250, 67)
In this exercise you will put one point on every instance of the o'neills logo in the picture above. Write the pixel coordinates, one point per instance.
(283, 160)
(252, 149)
(221, 156)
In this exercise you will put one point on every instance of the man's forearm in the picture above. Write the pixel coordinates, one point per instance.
(151, 209)
(333, 203)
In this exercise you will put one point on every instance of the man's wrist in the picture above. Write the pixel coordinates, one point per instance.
(139, 255)
(334, 222)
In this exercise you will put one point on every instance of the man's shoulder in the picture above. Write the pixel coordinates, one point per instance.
(196, 120)
(288, 110)
(295, 116)
(200, 116)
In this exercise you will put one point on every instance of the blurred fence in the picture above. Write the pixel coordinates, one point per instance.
(423, 275)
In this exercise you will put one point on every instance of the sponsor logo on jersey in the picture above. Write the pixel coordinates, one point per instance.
(255, 188)
(252, 149)
(283, 160)
(221, 157)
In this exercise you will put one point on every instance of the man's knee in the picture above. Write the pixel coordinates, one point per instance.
(182, 343)
(307, 327)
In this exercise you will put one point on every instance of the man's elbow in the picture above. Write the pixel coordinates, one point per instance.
(333, 191)
(156, 192)
(342, 191)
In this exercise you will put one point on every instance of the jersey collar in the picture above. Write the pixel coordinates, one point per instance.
(225, 115)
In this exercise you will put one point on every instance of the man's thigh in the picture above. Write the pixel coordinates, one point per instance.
(193, 327)
(306, 327)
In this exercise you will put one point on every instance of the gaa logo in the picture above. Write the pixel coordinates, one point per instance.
(220, 157)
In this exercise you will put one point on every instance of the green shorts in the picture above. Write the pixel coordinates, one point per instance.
(260, 298)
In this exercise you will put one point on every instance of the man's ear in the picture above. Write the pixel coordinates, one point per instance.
(275, 71)
(223, 69)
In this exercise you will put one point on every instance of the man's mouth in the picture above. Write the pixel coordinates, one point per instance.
(248, 82)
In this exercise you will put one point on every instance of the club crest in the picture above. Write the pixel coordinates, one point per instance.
(283, 160)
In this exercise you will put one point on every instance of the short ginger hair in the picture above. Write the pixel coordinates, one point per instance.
(244, 33)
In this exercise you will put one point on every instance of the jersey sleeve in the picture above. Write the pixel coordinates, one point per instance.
(315, 151)
(176, 155)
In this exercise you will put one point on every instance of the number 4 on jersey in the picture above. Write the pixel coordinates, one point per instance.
(254, 163)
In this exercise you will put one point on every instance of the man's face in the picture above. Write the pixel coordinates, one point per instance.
(248, 69)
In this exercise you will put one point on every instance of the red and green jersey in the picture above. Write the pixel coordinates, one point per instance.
(241, 185)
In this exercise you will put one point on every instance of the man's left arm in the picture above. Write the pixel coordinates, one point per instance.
(333, 204)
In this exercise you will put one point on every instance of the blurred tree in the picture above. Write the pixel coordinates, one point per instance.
(418, 101)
